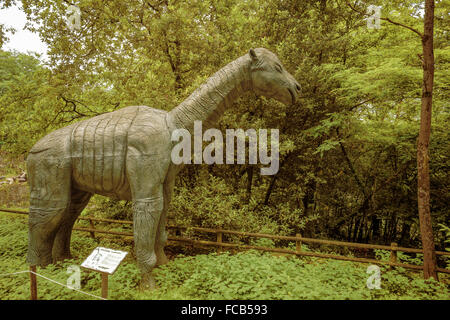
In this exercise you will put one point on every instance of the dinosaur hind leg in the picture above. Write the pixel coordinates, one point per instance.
(161, 233)
(61, 246)
(49, 202)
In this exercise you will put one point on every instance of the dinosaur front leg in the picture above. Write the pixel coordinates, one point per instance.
(147, 162)
(161, 239)
(146, 216)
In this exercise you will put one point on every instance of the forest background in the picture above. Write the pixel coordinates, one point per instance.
(348, 166)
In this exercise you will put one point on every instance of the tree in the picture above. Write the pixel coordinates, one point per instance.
(348, 157)
(423, 172)
(423, 169)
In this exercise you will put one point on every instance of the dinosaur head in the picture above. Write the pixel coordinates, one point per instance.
(270, 78)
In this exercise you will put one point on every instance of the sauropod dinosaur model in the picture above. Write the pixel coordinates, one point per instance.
(126, 154)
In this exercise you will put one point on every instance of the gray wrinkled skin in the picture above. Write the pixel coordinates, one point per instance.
(126, 154)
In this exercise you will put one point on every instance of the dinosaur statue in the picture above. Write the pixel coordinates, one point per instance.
(126, 154)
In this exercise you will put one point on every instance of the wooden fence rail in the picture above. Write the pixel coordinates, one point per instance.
(221, 245)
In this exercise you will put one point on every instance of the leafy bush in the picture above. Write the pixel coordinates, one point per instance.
(213, 204)
(446, 230)
(245, 275)
(255, 275)
(110, 208)
(402, 257)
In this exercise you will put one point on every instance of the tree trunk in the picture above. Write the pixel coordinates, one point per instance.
(269, 190)
(423, 181)
(375, 228)
(249, 183)
(405, 235)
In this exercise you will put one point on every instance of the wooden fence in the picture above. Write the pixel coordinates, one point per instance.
(298, 239)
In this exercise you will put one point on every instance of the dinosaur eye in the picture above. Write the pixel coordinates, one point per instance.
(278, 67)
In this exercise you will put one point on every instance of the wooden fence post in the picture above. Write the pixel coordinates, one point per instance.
(298, 243)
(219, 240)
(393, 257)
(93, 227)
(33, 283)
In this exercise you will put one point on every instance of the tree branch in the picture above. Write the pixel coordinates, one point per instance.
(361, 103)
(387, 19)
(350, 165)
(404, 26)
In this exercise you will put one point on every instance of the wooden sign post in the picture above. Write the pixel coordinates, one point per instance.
(105, 261)
(104, 285)
(33, 283)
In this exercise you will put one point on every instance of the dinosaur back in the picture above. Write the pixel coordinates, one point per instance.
(98, 151)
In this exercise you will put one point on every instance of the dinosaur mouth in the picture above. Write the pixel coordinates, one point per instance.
(293, 99)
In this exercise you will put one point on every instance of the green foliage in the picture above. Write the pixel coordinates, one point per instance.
(446, 230)
(245, 275)
(402, 257)
(110, 208)
(24, 94)
(347, 149)
(13, 241)
(254, 275)
(218, 207)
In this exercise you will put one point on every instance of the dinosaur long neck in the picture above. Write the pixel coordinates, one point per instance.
(213, 97)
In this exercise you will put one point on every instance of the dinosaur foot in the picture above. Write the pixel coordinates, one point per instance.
(148, 283)
(161, 259)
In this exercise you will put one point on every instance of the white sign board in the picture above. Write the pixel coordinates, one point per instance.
(104, 260)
